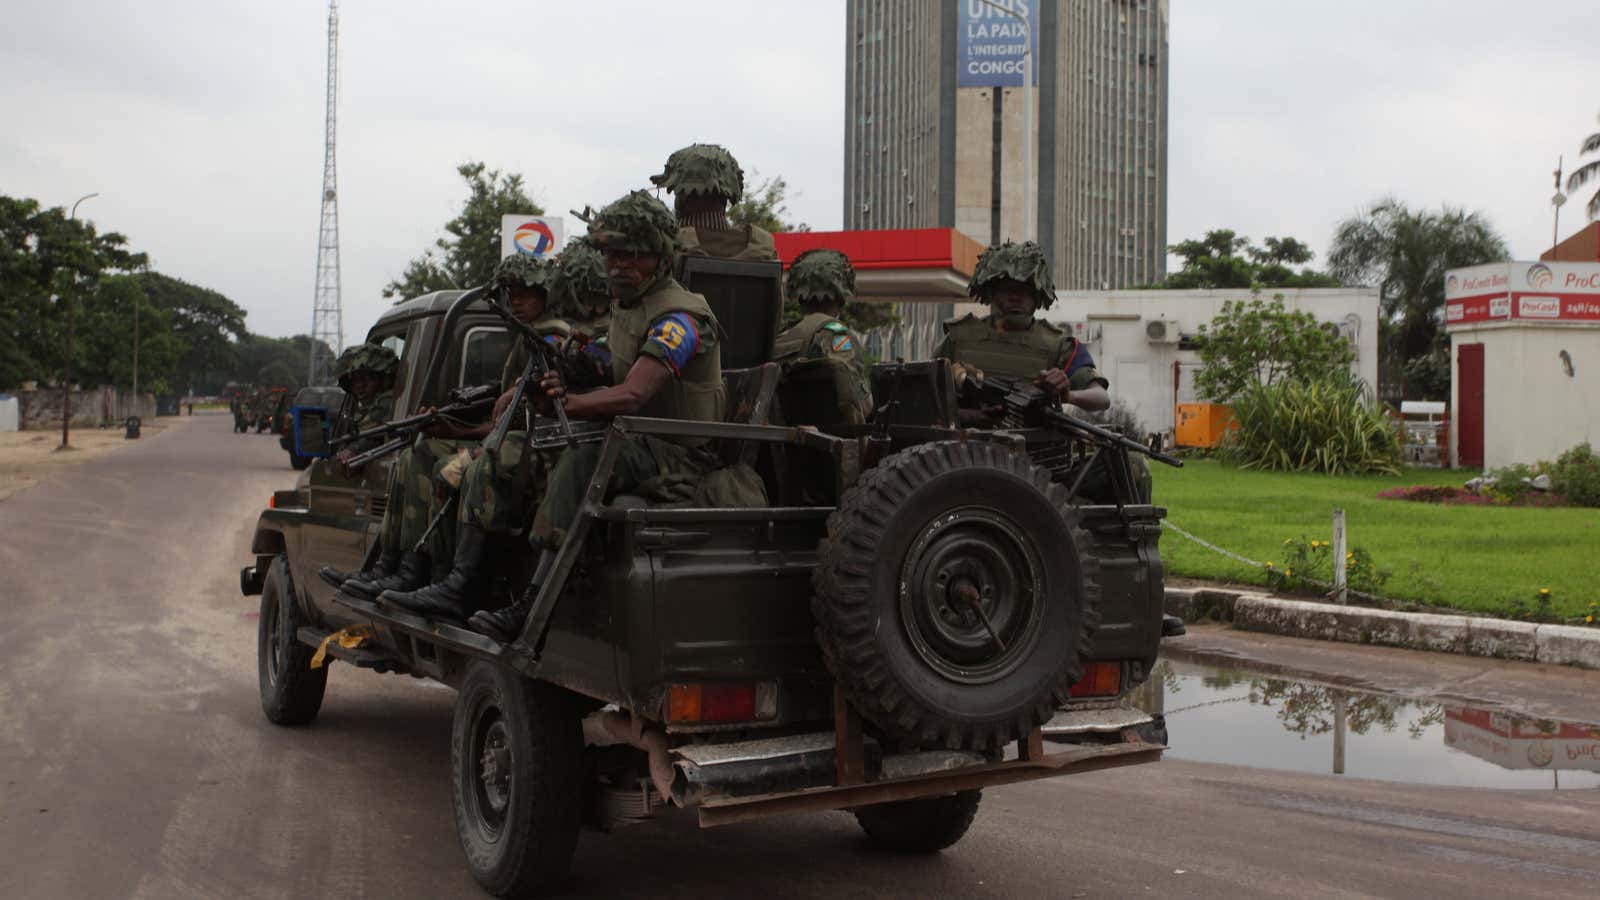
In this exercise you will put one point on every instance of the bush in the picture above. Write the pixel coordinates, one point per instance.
(1308, 564)
(1254, 342)
(1121, 418)
(1575, 475)
(1329, 425)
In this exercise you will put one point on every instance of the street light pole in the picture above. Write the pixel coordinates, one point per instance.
(66, 378)
(1028, 223)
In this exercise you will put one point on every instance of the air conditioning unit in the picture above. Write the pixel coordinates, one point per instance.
(1161, 331)
(1348, 329)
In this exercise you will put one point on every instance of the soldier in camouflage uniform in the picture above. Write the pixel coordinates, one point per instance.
(496, 488)
(705, 180)
(666, 362)
(580, 293)
(1014, 279)
(416, 492)
(822, 281)
(366, 372)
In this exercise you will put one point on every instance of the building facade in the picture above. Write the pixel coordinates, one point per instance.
(934, 122)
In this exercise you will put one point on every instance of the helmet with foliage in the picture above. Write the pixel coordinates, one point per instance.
(820, 277)
(519, 271)
(373, 358)
(580, 286)
(637, 222)
(1023, 263)
(702, 169)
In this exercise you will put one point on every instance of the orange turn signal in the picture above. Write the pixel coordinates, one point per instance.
(1100, 679)
(699, 704)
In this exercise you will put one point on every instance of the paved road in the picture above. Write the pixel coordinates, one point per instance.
(135, 761)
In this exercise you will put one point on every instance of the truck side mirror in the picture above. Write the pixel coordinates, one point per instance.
(311, 431)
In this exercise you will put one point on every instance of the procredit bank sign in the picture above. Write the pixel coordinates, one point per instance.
(1528, 291)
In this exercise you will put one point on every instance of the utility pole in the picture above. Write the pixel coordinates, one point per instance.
(1558, 201)
(66, 377)
(327, 319)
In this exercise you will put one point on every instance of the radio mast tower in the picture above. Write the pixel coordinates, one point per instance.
(327, 320)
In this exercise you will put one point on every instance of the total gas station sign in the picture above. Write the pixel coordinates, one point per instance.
(535, 236)
(1531, 291)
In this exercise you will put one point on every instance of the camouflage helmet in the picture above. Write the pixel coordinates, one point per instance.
(581, 288)
(1024, 263)
(637, 222)
(702, 169)
(522, 271)
(374, 358)
(820, 276)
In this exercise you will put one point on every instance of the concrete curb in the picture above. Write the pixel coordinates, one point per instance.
(1498, 638)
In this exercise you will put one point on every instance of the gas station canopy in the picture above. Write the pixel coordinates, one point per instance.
(905, 265)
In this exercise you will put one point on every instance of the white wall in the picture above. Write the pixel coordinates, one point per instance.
(10, 413)
(1532, 409)
(1112, 325)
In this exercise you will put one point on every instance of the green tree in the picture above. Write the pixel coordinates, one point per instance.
(1226, 259)
(103, 350)
(1589, 171)
(47, 260)
(1255, 342)
(207, 323)
(1405, 254)
(470, 248)
(274, 362)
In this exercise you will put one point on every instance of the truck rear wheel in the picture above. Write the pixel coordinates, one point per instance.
(953, 598)
(924, 825)
(291, 691)
(516, 771)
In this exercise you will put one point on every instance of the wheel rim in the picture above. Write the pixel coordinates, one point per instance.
(271, 626)
(491, 761)
(967, 561)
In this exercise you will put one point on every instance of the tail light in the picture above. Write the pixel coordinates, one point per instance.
(1100, 679)
(722, 702)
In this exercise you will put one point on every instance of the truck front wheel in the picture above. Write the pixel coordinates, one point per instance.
(924, 825)
(291, 691)
(517, 775)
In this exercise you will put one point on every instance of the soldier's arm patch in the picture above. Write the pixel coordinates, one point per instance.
(674, 340)
(841, 343)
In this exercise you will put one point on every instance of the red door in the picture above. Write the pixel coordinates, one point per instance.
(1469, 405)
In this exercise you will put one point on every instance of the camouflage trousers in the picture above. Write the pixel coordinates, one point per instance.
(499, 489)
(413, 503)
(658, 469)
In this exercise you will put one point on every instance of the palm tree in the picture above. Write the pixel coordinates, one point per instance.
(1587, 171)
(1405, 254)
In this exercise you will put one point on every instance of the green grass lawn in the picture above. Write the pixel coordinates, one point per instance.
(1468, 557)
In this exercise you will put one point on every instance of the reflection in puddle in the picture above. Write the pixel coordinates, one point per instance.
(1227, 716)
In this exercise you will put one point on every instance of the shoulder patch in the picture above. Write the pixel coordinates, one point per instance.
(835, 326)
(842, 344)
(675, 339)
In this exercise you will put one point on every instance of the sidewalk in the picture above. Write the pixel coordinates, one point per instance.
(29, 457)
(1256, 611)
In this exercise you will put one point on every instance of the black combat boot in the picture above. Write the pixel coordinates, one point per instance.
(384, 565)
(505, 623)
(411, 574)
(454, 597)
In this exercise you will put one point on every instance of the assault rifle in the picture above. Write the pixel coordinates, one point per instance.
(401, 432)
(1025, 405)
(542, 359)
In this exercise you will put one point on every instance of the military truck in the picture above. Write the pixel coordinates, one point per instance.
(922, 611)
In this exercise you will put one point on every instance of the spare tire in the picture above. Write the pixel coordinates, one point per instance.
(953, 597)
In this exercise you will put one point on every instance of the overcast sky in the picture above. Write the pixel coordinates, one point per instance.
(201, 123)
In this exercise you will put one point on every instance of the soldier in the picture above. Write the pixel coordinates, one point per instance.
(822, 281)
(704, 180)
(666, 362)
(579, 292)
(366, 372)
(1014, 279)
(415, 492)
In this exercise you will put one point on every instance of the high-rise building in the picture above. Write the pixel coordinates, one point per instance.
(934, 118)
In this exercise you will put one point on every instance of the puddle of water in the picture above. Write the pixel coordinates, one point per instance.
(1243, 718)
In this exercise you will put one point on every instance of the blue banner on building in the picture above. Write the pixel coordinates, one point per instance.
(992, 42)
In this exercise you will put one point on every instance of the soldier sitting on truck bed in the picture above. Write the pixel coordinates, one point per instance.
(822, 281)
(1014, 279)
(704, 180)
(415, 493)
(666, 362)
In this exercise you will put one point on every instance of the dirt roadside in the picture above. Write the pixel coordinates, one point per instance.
(29, 457)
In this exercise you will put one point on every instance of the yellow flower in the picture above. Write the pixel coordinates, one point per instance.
(1288, 571)
(1269, 564)
(1288, 541)
(1544, 592)
(1589, 619)
(1315, 544)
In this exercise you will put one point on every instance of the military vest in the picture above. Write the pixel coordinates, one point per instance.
(793, 341)
(1014, 354)
(517, 360)
(748, 242)
(697, 394)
